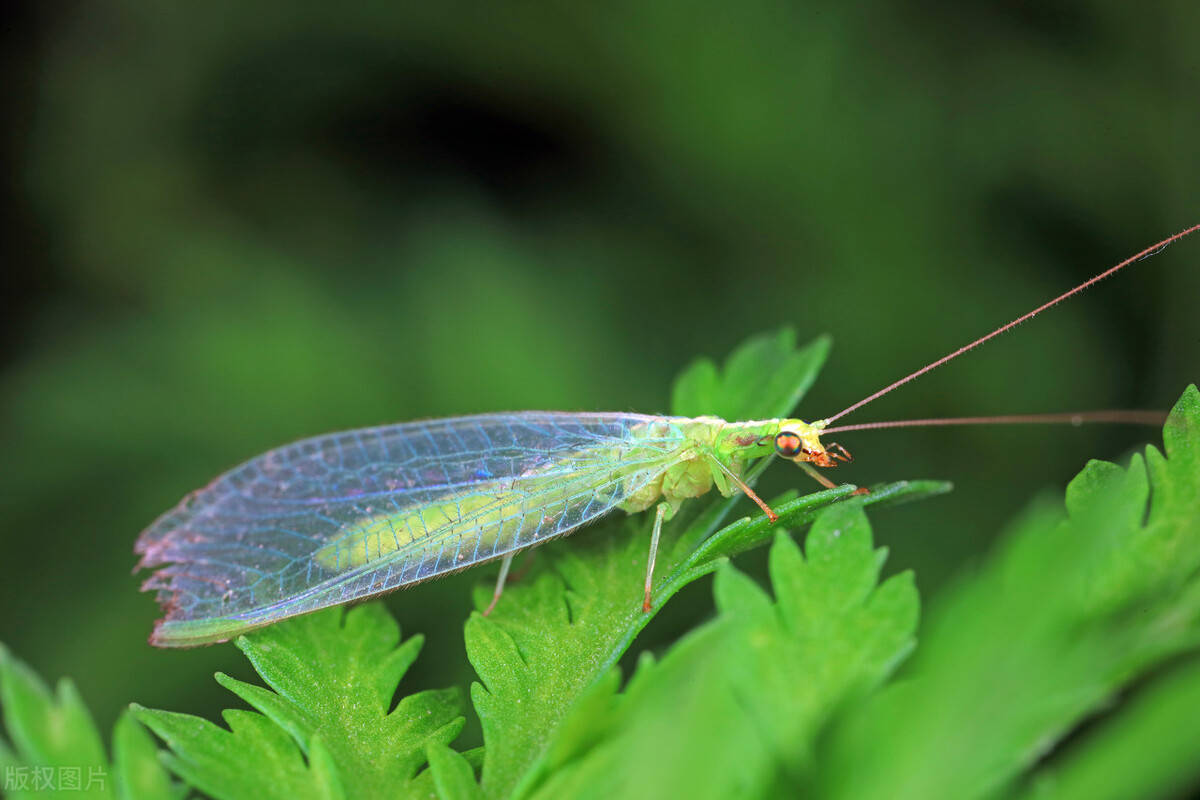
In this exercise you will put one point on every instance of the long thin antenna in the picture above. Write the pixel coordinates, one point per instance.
(1069, 418)
(1149, 251)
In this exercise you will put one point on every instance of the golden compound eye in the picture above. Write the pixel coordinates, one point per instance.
(787, 444)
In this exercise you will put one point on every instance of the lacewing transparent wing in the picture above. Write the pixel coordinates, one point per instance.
(349, 515)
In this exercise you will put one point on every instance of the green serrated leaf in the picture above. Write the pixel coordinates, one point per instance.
(453, 777)
(46, 729)
(586, 724)
(1146, 749)
(55, 744)
(137, 771)
(336, 674)
(555, 635)
(1071, 608)
(289, 716)
(742, 698)
(841, 569)
(834, 632)
(749, 532)
(252, 758)
(324, 769)
(332, 676)
(764, 378)
(736, 594)
(57, 749)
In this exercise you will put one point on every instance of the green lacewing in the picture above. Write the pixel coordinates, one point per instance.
(350, 515)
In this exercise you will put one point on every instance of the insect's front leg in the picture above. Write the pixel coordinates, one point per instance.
(821, 479)
(837, 451)
(816, 475)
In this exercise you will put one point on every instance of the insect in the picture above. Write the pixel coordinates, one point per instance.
(350, 515)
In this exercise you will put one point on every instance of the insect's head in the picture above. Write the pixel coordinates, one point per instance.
(798, 441)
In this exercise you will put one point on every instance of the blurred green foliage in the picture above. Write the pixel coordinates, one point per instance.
(256, 224)
(55, 747)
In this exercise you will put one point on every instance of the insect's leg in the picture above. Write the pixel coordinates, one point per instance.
(816, 476)
(837, 451)
(746, 490)
(504, 565)
(821, 479)
(658, 521)
(526, 564)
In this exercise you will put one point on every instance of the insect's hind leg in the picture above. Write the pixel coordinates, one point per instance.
(659, 514)
(504, 565)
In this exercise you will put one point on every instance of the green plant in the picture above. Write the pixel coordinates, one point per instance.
(782, 693)
(55, 747)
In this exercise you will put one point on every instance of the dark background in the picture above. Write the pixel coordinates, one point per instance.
(229, 227)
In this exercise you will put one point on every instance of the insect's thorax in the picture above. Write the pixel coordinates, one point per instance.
(694, 470)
